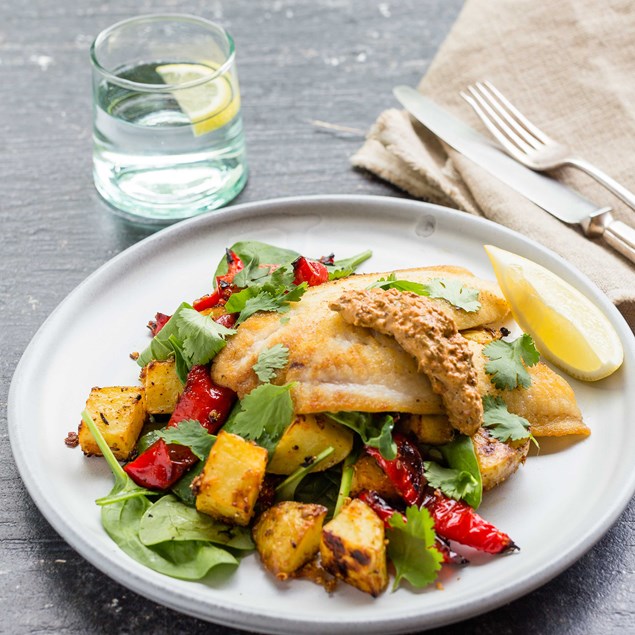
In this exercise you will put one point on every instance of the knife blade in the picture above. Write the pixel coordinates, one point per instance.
(552, 196)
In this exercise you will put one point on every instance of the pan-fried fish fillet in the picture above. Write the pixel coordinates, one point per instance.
(430, 335)
(342, 367)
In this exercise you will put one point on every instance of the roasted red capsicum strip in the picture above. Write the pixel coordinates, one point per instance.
(385, 511)
(406, 471)
(313, 272)
(456, 520)
(162, 464)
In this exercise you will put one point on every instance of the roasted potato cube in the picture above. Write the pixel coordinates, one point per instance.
(430, 429)
(353, 548)
(497, 461)
(231, 479)
(306, 437)
(368, 475)
(119, 413)
(288, 535)
(162, 386)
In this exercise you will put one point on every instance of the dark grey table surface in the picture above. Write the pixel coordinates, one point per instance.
(300, 61)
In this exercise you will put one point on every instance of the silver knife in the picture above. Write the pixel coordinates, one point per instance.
(552, 196)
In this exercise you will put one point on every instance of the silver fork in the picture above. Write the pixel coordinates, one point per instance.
(527, 143)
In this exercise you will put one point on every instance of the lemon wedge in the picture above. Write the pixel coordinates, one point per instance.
(211, 104)
(567, 328)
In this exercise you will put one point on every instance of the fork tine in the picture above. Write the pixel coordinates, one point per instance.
(501, 128)
(537, 132)
(496, 133)
(503, 112)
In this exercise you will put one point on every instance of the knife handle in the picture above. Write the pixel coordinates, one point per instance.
(621, 237)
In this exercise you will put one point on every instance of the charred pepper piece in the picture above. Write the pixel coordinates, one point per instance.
(456, 520)
(385, 511)
(162, 464)
(406, 471)
(313, 272)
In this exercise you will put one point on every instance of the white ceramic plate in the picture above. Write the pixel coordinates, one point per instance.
(557, 506)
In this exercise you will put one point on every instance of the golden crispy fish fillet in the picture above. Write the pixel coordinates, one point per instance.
(342, 367)
(548, 404)
(430, 335)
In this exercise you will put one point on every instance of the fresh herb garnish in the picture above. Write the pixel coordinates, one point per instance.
(502, 424)
(457, 484)
(275, 292)
(506, 368)
(270, 360)
(455, 293)
(190, 433)
(447, 289)
(411, 547)
(374, 429)
(190, 337)
(460, 455)
(263, 415)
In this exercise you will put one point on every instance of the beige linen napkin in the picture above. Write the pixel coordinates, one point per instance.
(570, 67)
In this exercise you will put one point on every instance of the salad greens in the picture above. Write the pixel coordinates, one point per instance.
(270, 360)
(411, 547)
(263, 415)
(374, 429)
(188, 336)
(121, 518)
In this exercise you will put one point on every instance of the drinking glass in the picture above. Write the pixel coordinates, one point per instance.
(168, 137)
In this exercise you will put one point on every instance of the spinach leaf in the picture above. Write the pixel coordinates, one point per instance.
(286, 489)
(320, 488)
(183, 487)
(170, 519)
(121, 518)
(374, 429)
(461, 456)
(346, 266)
(248, 250)
(124, 488)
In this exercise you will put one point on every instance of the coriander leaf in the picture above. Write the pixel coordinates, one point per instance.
(454, 483)
(460, 455)
(346, 266)
(160, 347)
(455, 293)
(502, 424)
(251, 273)
(202, 337)
(374, 429)
(170, 519)
(237, 300)
(411, 547)
(264, 415)
(190, 337)
(270, 360)
(391, 282)
(506, 362)
(191, 434)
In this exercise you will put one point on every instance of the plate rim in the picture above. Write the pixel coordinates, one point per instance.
(279, 624)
